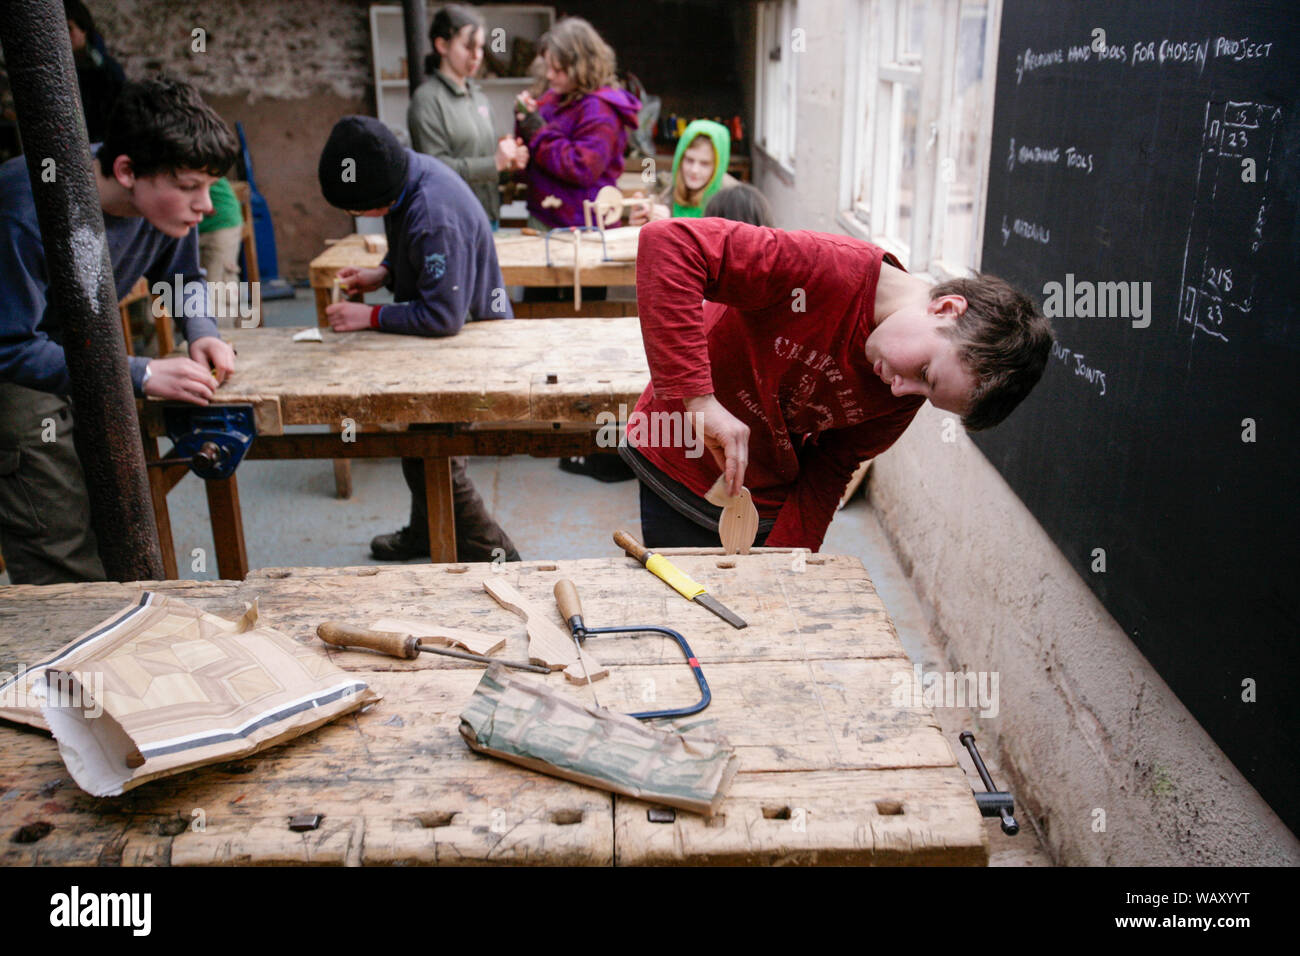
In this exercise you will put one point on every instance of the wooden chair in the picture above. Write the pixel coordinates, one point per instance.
(245, 196)
(163, 322)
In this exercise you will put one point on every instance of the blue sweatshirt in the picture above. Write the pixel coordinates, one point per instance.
(31, 334)
(442, 264)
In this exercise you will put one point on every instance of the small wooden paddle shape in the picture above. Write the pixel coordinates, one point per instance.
(739, 522)
(548, 644)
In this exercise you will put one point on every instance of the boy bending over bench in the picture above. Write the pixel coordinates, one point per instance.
(812, 353)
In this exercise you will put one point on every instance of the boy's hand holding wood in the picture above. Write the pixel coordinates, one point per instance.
(725, 435)
(354, 279)
(180, 379)
(214, 354)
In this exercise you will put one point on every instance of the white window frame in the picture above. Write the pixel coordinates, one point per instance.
(875, 85)
(775, 106)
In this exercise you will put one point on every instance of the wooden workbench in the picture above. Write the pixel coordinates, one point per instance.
(499, 387)
(527, 261)
(831, 772)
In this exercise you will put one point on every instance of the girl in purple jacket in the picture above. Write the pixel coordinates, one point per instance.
(577, 132)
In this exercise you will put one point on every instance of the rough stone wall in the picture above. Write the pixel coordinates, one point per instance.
(258, 50)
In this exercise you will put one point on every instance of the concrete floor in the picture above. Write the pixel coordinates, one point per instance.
(293, 519)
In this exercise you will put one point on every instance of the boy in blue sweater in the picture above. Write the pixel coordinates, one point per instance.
(163, 149)
(442, 269)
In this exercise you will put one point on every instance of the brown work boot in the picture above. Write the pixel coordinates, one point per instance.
(399, 546)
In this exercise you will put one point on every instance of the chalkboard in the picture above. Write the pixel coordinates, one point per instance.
(1143, 188)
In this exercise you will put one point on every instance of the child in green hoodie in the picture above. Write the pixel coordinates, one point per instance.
(699, 172)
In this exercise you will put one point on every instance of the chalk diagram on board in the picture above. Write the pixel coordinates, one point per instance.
(1228, 216)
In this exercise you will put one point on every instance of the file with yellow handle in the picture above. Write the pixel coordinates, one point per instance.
(675, 578)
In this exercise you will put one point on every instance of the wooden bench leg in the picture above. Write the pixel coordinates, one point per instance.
(227, 528)
(159, 485)
(343, 477)
(442, 516)
(342, 466)
(322, 300)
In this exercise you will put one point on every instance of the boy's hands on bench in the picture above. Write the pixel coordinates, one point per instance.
(348, 316)
(180, 379)
(215, 355)
(725, 435)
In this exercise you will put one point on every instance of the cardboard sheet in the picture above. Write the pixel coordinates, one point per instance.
(162, 687)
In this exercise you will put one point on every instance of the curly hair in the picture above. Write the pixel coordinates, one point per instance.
(1005, 341)
(576, 47)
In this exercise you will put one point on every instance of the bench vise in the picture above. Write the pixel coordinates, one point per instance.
(214, 438)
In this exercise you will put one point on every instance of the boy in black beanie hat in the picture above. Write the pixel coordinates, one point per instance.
(443, 271)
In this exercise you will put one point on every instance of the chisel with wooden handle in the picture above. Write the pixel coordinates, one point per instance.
(671, 575)
(404, 645)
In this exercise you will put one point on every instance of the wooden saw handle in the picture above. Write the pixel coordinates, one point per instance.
(566, 597)
(631, 545)
(388, 642)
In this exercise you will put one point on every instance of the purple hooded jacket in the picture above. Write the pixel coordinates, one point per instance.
(578, 150)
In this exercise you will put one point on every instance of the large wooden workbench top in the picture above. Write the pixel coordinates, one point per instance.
(831, 770)
(496, 371)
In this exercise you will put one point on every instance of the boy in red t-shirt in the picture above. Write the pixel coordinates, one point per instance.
(812, 353)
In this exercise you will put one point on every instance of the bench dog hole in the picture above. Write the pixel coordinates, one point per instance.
(458, 569)
(889, 808)
(32, 832)
(776, 813)
(546, 567)
(726, 564)
(566, 818)
(436, 818)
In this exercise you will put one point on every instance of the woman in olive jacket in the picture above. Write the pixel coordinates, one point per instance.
(449, 116)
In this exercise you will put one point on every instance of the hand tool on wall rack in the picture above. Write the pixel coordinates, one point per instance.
(682, 583)
(566, 596)
(994, 803)
(404, 645)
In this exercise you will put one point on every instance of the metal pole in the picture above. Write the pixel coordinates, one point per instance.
(38, 55)
(413, 13)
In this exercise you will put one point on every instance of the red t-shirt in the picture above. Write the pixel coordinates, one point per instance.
(781, 344)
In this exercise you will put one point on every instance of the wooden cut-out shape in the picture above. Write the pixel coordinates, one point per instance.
(548, 644)
(476, 642)
(738, 524)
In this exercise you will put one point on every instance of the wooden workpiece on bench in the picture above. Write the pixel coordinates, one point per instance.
(523, 258)
(831, 771)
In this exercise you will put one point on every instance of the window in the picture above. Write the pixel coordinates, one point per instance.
(918, 118)
(779, 39)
